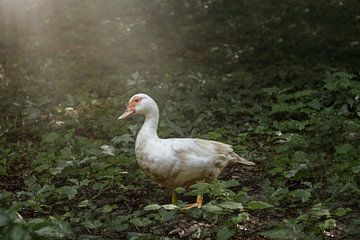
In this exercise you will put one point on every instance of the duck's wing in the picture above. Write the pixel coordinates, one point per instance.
(198, 151)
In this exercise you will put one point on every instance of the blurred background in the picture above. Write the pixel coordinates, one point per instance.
(53, 52)
(278, 79)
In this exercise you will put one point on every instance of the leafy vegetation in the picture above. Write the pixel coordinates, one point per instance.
(279, 80)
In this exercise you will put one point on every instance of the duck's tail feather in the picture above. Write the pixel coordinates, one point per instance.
(241, 160)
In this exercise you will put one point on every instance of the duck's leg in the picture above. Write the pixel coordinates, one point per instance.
(199, 200)
(198, 204)
(173, 196)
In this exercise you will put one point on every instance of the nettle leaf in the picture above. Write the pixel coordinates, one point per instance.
(231, 205)
(295, 170)
(141, 222)
(254, 205)
(93, 224)
(139, 236)
(19, 232)
(180, 190)
(108, 150)
(300, 157)
(199, 188)
(289, 125)
(85, 203)
(271, 91)
(225, 233)
(230, 183)
(4, 220)
(342, 211)
(214, 135)
(61, 165)
(126, 138)
(51, 137)
(344, 149)
(120, 223)
(108, 208)
(152, 207)
(66, 152)
(328, 224)
(288, 230)
(296, 95)
(169, 206)
(241, 217)
(68, 191)
(319, 210)
(32, 113)
(339, 81)
(213, 209)
(314, 104)
(52, 228)
(46, 189)
(301, 194)
(285, 107)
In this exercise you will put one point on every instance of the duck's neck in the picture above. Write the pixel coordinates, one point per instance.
(149, 128)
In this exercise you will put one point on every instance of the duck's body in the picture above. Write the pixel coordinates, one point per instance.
(182, 162)
(176, 162)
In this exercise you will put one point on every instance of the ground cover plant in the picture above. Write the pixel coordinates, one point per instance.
(278, 80)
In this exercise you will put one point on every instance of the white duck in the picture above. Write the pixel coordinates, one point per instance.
(176, 162)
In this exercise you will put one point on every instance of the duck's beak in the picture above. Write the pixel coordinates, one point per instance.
(127, 113)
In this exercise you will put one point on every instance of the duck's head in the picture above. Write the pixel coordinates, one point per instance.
(139, 104)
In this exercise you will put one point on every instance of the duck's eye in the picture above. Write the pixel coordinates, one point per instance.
(136, 100)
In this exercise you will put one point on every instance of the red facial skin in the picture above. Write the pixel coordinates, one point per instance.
(132, 103)
(131, 107)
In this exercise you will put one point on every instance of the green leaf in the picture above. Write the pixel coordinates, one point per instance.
(119, 227)
(301, 194)
(241, 217)
(199, 188)
(342, 211)
(167, 215)
(32, 113)
(288, 230)
(258, 205)
(61, 165)
(213, 208)
(69, 191)
(141, 222)
(120, 223)
(18, 232)
(5, 196)
(328, 224)
(169, 206)
(93, 224)
(295, 169)
(344, 149)
(108, 150)
(108, 208)
(126, 138)
(180, 190)
(299, 157)
(315, 104)
(52, 229)
(4, 220)
(152, 207)
(225, 233)
(319, 210)
(66, 152)
(139, 236)
(231, 205)
(85, 203)
(51, 137)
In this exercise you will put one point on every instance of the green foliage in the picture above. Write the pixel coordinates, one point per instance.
(278, 80)
(13, 226)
